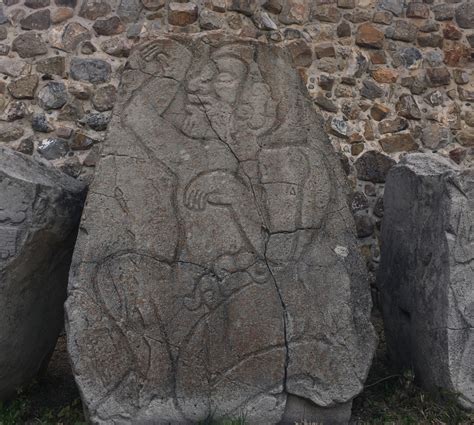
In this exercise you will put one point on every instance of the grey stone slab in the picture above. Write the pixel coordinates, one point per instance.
(217, 271)
(40, 209)
(426, 275)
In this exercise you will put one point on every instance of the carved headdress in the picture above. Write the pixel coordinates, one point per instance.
(243, 52)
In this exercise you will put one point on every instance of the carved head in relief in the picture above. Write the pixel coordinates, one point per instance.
(228, 87)
(230, 77)
(219, 80)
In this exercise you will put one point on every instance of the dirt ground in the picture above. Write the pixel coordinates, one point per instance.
(389, 398)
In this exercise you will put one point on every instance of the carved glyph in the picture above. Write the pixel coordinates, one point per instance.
(13, 212)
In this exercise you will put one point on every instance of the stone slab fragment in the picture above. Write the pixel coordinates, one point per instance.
(426, 273)
(217, 270)
(40, 208)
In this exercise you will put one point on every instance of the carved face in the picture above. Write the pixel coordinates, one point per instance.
(200, 87)
(231, 76)
(218, 84)
(213, 91)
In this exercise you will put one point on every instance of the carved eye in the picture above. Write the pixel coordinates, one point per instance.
(225, 77)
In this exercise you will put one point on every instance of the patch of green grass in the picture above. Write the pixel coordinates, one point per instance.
(398, 400)
(394, 398)
(13, 412)
(70, 414)
(20, 411)
(389, 398)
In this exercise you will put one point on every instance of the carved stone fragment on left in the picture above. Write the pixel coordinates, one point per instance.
(40, 209)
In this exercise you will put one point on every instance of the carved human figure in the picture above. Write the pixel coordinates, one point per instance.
(213, 91)
(235, 101)
(237, 190)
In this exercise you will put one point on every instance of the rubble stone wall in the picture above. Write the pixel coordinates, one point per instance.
(388, 76)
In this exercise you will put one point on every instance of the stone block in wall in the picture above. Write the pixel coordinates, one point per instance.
(182, 14)
(29, 44)
(129, 10)
(443, 11)
(68, 37)
(217, 270)
(325, 13)
(426, 276)
(40, 20)
(66, 3)
(294, 12)
(40, 208)
(464, 15)
(368, 35)
(10, 132)
(52, 66)
(373, 166)
(91, 70)
(93, 9)
(394, 6)
(401, 142)
(24, 87)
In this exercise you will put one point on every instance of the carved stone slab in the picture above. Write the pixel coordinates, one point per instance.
(216, 272)
(40, 209)
(426, 273)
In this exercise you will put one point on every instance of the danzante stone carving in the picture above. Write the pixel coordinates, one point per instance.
(40, 208)
(426, 275)
(216, 272)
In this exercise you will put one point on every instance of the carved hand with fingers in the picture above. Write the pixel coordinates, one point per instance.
(217, 187)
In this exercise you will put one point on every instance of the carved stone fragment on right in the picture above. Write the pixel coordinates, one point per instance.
(426, 274)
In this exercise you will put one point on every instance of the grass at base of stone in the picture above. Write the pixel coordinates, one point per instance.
(20, 410)
(53, 399)
(399, 401)
(393, 398)
(13, 412)
(389, 398)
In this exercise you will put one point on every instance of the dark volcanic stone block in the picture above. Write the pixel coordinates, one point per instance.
(426, 276)
(40, 209)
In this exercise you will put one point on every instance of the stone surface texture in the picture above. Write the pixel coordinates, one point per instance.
(426, 275)
(368, 60)
(40, 209)
(216, 270)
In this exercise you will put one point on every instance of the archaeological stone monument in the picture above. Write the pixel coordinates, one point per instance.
(216, 272)
(40, 209)
(426, 274)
